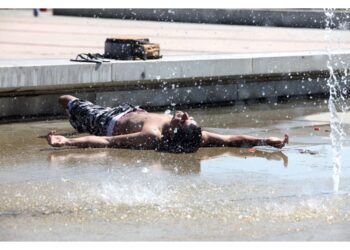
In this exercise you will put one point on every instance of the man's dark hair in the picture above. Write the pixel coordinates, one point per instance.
(184, 140)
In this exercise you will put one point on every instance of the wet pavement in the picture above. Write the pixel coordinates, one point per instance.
(214, 194)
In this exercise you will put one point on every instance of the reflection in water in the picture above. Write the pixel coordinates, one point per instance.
(180, 164)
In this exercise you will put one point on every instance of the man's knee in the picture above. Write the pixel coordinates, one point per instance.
(64, 99)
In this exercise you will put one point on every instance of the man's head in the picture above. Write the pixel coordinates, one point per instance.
(184, 135)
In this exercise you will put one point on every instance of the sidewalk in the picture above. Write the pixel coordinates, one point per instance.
(202, 63)
(22, 36)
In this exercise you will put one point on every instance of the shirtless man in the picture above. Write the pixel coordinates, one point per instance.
(127, 126)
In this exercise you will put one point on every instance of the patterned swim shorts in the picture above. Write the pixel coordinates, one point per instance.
(87, 117)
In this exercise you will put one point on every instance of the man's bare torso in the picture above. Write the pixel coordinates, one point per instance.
(134, 122)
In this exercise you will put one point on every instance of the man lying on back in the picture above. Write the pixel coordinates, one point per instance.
(126, 126)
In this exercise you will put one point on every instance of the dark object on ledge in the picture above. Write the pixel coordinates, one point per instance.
(131, 49)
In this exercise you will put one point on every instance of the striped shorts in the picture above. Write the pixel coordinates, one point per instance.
(87, 117)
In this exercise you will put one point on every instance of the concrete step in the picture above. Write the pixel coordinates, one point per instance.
(172, 80)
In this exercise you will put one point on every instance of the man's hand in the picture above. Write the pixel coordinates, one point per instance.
(277, 142)
(56, 140)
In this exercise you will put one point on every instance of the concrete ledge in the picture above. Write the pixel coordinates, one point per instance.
(48, 73)
(43, 74)
(182, 68)
(22, 107)
(170, 96)
(31, 87)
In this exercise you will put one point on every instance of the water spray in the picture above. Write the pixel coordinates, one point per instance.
(337, 101)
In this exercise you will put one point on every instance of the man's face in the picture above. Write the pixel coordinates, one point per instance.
(182, 119)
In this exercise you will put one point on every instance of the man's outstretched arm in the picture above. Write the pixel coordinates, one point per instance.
(135, 140)
(216, 140)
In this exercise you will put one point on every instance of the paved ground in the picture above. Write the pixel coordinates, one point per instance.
(22, 36)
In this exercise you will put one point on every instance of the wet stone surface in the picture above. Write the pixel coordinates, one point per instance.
(214, 194)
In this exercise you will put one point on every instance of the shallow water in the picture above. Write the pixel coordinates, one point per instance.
(213, 194)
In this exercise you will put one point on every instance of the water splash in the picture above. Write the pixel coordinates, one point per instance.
(336, 82)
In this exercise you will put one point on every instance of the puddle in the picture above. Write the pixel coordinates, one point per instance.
(213, 194)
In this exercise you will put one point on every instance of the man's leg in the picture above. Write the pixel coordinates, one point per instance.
(83, 115)
(75, 121)
(63, 100)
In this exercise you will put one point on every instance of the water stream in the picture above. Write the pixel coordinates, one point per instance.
(337, 83)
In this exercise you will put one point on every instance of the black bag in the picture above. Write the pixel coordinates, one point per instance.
(131, 49)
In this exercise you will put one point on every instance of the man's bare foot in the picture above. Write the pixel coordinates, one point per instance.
(56, 140)
(277, 142)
